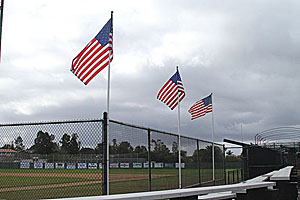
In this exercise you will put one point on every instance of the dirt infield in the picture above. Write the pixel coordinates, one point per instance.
(95, 179)
(112, 177)
(35, 187)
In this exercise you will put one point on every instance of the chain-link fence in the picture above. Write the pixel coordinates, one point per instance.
(51, 159)
(67, 159)
(133, 168)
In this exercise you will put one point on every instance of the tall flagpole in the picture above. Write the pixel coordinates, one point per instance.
(179, 139)
(107, 104)
(242, 133)
(212, 139)
(1, 22)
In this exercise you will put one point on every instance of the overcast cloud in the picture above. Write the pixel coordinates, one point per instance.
(245, 52)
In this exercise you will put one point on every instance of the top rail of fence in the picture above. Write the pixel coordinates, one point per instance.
(50, 122)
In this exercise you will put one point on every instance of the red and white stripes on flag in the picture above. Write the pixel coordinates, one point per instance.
(200, 108)
(168, 94)
(95, 56)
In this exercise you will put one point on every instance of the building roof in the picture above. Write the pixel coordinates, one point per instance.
(7, 151)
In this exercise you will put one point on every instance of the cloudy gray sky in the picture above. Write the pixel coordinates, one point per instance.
(245, 52)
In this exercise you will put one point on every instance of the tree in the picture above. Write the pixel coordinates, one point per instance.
(114, 148)
(69, 144)
(74, 144)
(174, 155)
(87, 151)
(141, 151)
(8, 146)
(175, 148)
(229, 153)
(43, 144)
(99, 148)
(19, 144)
(161, 152)
(65, 143)
(206, 154)
(124, 147)
(233, 158)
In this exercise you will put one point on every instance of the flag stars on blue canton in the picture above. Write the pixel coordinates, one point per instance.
(103, 35)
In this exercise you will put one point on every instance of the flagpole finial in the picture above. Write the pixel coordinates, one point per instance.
(177, 68)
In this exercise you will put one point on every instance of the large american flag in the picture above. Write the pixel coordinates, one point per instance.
(168, 94)
(95, 56)
(200, 108)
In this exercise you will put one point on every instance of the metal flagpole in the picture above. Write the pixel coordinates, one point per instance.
(1, 21)
(242, 133)
(179, 139)
(212, 138)
(107, 104)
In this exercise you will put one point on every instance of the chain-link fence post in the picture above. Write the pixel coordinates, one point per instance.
(224, 163)
(105, 156)
(198, 162)
(149, 159)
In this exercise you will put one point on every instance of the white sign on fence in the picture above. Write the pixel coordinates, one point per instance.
(38, 165)
(182, 165)
(137, 165)
(59, 165)
(24, 165)
(146, 165)
(100, 165)
(49, 165)
(124, 165)
(81, 166)
(71, 165)
(92, 165)
(158, 165)
(114, 165)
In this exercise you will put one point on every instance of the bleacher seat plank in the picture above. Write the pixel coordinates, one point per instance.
(217, 196)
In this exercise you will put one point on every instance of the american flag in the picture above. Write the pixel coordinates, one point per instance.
(95, 56)
(200, 108)
(168, 94)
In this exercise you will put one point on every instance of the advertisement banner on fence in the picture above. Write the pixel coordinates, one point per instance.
(114, 165)
(124, 165)
(182, 165)
(71, 165)
(100, 165)
(38, 165)
(158, 165)
(137, 165)
(146, 165)
(169, 165)
(59, 165)
(49, 165)
(92, 165)
(24, 165)
(81, 166)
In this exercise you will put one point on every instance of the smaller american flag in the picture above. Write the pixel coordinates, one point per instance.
(168, 94)
(200, 108)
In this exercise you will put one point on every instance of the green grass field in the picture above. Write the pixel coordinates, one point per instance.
(165, 179)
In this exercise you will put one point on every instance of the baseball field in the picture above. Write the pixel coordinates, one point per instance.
(49, 183)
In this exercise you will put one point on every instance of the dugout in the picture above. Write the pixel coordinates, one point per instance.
(258, 160)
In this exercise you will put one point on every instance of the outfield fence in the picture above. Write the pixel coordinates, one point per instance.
(67, 159)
